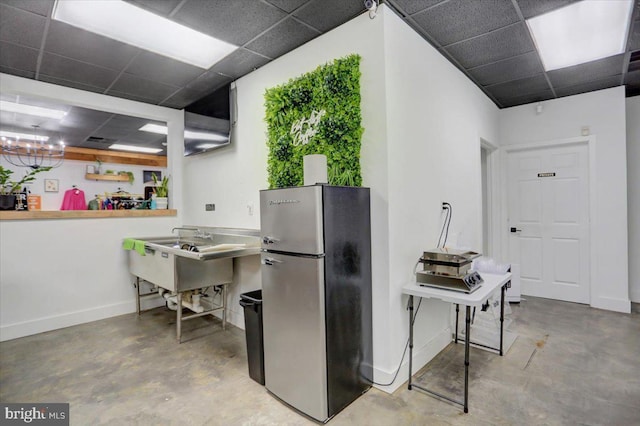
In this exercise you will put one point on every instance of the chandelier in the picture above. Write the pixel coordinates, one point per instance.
(24, 150)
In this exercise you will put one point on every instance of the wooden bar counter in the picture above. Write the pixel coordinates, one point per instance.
(83, 214)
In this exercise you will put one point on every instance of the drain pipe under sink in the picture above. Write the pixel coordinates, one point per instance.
(172, 302)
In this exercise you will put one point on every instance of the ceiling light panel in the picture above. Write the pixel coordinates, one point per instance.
(27, 136)
(130, 24)
(31, 110)
(134, 148)
(581, 32)
(154, 128)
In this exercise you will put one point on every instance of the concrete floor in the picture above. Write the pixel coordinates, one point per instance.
(570, 365)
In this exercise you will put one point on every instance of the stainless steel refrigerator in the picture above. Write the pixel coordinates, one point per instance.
(316, 290)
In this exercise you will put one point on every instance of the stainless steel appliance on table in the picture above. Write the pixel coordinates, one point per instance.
(316, 289)
(449, 269)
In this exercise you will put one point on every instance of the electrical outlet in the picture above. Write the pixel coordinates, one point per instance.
(250, 209)
(210, 207)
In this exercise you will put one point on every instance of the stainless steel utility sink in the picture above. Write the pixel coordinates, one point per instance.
(178, 270)
(167, 265)
(220, 245)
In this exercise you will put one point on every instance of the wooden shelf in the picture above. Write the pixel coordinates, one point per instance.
(83, 214)
(116, 157)
(110, 156)
(113, 177)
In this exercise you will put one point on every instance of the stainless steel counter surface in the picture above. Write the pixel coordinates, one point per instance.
(211, 242)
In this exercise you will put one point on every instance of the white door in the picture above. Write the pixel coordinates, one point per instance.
(548, 219)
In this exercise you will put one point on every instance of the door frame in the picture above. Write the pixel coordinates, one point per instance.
(492, 196)
(590, 141)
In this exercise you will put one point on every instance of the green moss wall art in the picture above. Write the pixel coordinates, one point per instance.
(316, 113)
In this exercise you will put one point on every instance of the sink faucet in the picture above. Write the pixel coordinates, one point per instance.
(197, 232)
(204, 235)
(185, 229)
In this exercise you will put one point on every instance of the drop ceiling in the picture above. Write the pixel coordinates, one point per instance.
(489, 41)
(486, 39)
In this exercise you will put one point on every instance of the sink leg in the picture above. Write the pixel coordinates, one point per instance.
(138, 295)
(179, 317)
(224, 307)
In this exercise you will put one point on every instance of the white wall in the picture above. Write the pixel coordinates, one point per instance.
(633, 178)
(232, 177)
(423, 122)
(436, 118)
(604, 112)
(57, 273)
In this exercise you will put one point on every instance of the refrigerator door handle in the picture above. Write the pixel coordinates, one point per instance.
(270, 261)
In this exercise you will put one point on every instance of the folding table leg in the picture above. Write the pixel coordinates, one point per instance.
(410, 338)
(467, 338)
(457, 311)
(502, 291)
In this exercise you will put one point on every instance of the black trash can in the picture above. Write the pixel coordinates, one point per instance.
(252, 304)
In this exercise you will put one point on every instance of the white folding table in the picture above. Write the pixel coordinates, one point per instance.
(491, 284)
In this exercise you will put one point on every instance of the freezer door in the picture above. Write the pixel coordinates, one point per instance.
(291, 219)
(294, 332)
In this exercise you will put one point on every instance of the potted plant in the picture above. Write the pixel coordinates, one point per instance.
(9, 188)
(127, 174)
(160, 191)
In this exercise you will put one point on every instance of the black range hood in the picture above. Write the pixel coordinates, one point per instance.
(208, 123)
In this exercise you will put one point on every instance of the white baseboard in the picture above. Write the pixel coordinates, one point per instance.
(233, 317)
(236, 318)
(421, 356)
(235, 313)
(54, 322)
(611, 304)
(41, 325)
